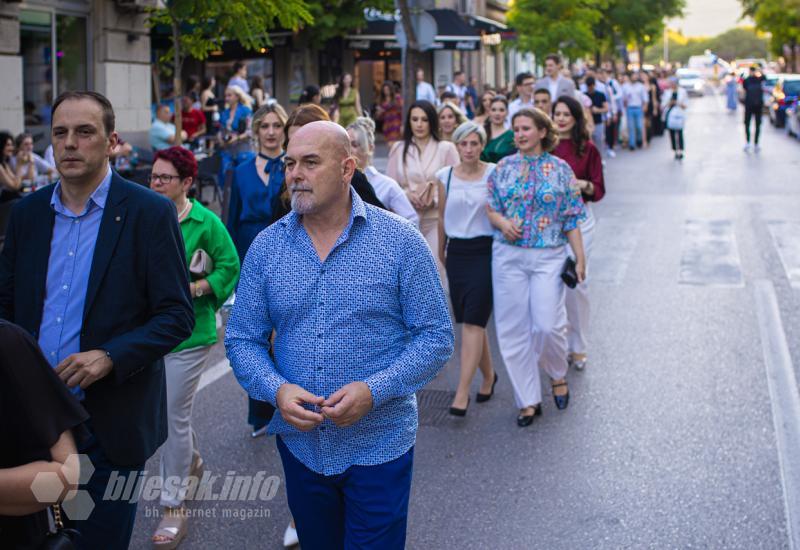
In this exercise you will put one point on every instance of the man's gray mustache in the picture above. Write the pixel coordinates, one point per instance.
(294, 188)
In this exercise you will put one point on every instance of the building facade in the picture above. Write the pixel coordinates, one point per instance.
(47, 47)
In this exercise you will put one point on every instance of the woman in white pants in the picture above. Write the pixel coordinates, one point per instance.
(214, 267)
(587, 164)
(535, 206)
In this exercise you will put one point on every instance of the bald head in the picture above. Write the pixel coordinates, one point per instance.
(328, 137)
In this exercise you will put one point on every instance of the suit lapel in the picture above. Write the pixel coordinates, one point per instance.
(110, 229)
(41, 236)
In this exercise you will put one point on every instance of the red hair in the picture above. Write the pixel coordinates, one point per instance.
(182, 159)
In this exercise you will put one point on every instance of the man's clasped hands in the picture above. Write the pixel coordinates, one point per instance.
(344, 407)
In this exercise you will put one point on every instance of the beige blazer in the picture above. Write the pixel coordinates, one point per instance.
(420, 168)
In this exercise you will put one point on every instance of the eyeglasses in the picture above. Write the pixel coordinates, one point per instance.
(163, 178)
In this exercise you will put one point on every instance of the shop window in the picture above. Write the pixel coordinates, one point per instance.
(54, 55)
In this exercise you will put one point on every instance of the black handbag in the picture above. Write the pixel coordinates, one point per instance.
(61, 538)
(568, 273)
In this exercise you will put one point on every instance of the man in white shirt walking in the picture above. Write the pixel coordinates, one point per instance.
(459, 87)
(634, 97)
(556, 83)
(524, 83)
(424, 89)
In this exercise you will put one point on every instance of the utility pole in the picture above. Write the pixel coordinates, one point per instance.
(409, 51)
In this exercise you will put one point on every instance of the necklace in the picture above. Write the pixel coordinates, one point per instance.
(183, 212)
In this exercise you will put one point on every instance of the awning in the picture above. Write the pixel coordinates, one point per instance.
(453, 33)
(484, 24)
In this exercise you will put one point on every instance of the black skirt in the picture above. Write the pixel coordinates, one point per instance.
(469, 274)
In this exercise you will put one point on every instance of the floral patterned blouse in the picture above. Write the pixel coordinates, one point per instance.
(539, 194)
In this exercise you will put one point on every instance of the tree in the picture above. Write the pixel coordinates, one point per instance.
(731, 44)
(641, 21)
(781, 18)
(200, 26)
(547, 26)
(339, 17)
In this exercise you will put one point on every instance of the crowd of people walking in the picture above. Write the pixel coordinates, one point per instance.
(340, 311)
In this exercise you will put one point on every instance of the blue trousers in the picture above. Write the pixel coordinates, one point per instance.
(635, 126)
(110, 524)
(364, 507)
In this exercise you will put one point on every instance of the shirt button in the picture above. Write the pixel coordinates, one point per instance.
(71, 253)
(52, 353)
(58, 319)
(65, 287)
(319, 368)
(75, 221)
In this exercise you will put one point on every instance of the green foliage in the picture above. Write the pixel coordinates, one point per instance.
(781, 18)
(546, 26)
(202, 25)
(642, 21)
(581, 27)
(340, 17)
(732, 44)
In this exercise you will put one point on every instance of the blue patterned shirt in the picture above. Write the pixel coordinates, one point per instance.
(373, 311)
(540, 195)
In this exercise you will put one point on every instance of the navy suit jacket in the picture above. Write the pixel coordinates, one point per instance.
(138, 306)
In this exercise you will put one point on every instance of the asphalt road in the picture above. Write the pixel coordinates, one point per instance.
(669, 440)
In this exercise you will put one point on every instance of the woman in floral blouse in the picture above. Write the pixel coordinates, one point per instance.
(535, 206)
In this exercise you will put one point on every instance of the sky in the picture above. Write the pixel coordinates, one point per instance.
(708, 17)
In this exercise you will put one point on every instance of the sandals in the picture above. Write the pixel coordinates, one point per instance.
(171, 529)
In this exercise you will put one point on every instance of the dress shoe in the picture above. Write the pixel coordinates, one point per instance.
(259, 432)
(527, 419)
(562, 401)
(484, 397)
(455, 411)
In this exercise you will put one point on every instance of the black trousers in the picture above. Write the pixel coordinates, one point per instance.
(676, 137)
(749, 113)
(612, 133)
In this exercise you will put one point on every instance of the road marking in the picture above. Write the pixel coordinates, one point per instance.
(786, 236)
(710, 256)
(214, 373)
(614, 243)
(785, 401)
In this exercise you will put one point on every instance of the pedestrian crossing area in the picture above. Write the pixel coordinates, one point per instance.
(708, 255)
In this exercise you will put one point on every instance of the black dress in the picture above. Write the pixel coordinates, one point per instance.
(35, 409)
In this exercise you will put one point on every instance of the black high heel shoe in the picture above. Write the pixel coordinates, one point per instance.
(484, 397)
(455, 411)
(562, 401)
(527, 419)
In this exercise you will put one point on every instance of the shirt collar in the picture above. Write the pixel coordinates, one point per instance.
(196, 213)
(98, 197)
(370, 170)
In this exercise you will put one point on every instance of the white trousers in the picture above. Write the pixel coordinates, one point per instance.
(183, 371)
(578, 298)
(530, 316)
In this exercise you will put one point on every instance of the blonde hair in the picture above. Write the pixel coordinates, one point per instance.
(364, 128)
(542, 122)
(244, 99)
(271, 106)
(461, 118)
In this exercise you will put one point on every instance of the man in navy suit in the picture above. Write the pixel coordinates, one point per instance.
(94, 268)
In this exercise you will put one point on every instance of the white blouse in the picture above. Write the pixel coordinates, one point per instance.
(465, 214)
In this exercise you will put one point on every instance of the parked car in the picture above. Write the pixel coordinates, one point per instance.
(784, 93)
(691, 81)
(793, 118)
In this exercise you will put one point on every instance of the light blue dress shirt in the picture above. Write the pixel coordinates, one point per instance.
(373, 311)
(71, 252)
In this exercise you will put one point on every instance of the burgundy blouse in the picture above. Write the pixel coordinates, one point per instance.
(587, 167)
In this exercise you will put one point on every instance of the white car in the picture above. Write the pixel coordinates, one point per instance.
(691, 81)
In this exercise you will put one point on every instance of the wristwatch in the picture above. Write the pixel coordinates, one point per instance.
(198, 290)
